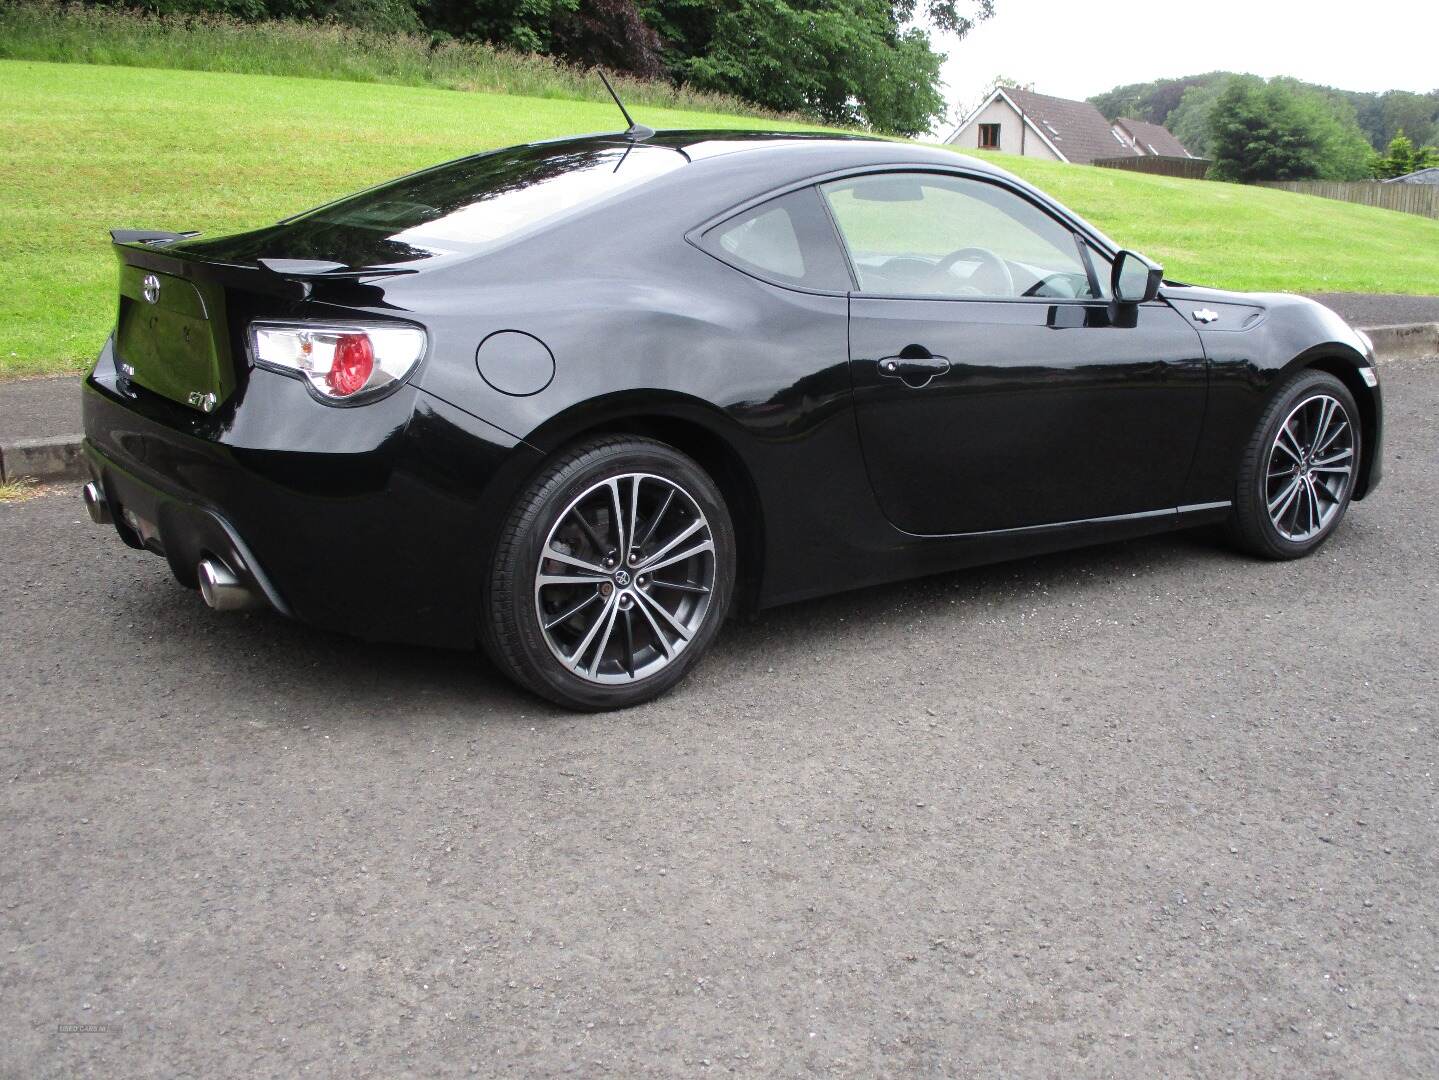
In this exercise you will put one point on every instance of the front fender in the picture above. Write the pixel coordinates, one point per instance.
(1254, 342)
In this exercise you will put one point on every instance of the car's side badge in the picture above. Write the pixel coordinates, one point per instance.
(1205, 315)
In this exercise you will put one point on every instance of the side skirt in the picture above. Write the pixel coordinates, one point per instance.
(920, 556)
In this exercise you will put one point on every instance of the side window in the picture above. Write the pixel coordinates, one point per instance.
(927, 234)
(787, 240)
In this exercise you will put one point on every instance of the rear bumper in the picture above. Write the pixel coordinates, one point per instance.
(375, 521)
(176, 528)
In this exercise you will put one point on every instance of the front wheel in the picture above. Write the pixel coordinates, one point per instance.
(612, 575)
(1298, 472)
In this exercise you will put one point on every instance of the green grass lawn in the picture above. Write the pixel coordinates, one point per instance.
(91, 148)
(1237, 237)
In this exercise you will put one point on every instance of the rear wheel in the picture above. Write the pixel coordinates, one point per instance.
(612, 575)
(1297, 476)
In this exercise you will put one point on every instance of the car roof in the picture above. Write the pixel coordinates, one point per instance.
(725, 170)
(721, 160)
(827, 149)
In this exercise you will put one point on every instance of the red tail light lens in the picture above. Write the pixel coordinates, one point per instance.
(353, 365)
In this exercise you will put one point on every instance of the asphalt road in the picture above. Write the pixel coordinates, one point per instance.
(1382, 309)
(1141, 810)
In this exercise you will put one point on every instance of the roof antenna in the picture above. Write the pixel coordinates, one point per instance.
(634, 131)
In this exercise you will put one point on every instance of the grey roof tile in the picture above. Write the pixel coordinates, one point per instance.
(1155, 139)
(1077, 129)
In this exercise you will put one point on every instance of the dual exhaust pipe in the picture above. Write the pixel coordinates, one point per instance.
(219, 586)
(96, 505)
(222, 590)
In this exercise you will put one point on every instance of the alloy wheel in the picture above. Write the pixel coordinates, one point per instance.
(624, 578)
(1310, 468)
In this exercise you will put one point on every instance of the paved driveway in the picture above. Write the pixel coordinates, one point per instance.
(1147, 809)
(1382, 309)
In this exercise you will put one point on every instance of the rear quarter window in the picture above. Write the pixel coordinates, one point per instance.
(788, 241)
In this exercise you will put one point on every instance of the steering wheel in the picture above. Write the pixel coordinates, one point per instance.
(993, 273)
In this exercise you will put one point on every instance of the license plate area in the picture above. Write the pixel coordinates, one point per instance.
(165, 339)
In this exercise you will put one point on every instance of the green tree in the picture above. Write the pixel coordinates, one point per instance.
(861, 62)
(1283, 130)
(1257, 133)
(526, 25)
(1344, 151)
(1403, 158)
(1153, 101)
(1415, 115)
(945, 14)
(1190, 119)
(843, 61)
(1379, 115)
(384, 15)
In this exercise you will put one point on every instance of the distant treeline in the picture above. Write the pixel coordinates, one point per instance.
(1182, 105)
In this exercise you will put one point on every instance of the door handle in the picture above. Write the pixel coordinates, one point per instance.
(915, 366)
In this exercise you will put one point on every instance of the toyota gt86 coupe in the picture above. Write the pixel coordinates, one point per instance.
(575, 401)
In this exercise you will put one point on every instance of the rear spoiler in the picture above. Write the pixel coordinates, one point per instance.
(294, 279)
(147, 236)
(323, 268)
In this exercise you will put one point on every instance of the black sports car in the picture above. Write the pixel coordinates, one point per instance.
(576, 400)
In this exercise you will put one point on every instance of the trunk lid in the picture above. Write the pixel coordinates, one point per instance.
(180, 327)
(171, 337)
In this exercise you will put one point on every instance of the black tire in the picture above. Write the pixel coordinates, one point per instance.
(513, 633)
(1251, 526)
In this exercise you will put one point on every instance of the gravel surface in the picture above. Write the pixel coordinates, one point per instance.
(1152, 809)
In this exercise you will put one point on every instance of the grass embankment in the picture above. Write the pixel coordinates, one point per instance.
(1237, 237)
(95, 148)
(77, 34)
(92, 148)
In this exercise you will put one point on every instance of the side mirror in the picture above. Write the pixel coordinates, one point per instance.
(1134, 279)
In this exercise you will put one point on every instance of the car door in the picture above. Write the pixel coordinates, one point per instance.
(996, 387)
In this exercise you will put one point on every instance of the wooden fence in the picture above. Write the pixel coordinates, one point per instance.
(1187, 168)
(1408, 198)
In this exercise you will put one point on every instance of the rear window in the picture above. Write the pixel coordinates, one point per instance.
(470, 205)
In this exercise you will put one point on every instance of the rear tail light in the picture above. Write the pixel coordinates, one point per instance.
(341, 363)
(352, 366)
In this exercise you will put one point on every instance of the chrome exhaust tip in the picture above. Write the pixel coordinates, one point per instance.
(222, 590)
(95, 504)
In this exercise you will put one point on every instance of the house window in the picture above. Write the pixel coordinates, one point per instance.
(989, 136)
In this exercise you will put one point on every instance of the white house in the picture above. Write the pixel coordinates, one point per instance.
(1016, 121)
